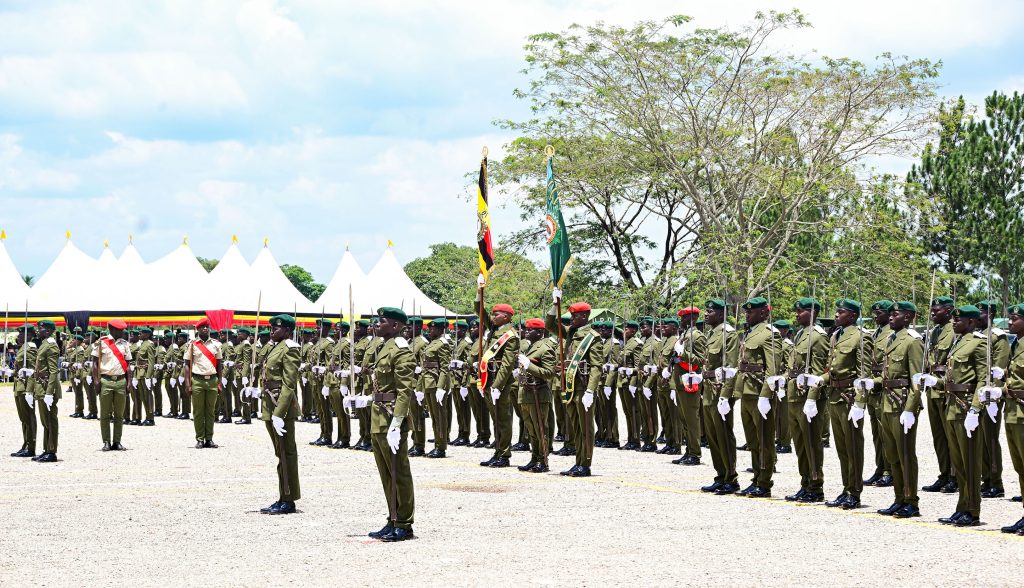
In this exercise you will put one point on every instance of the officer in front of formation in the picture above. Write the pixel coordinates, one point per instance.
(497, 385)
(202, 381)
(280, 380)
(111, 372)
(47, 388)
(23, 385)
(1013, 410)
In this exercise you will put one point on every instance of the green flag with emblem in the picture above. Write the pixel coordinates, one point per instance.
(558, 237)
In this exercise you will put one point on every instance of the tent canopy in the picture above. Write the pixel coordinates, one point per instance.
(13, 290)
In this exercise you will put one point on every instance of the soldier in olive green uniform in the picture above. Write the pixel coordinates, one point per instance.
(806, 364)
(73, 357)
(145, 359)
(280, 409)
(418, 339)
(337, 382)
(496, 381)
(243, 371)
(183, 343)
(92, 339)
(24, 401)
(47, 388)
(310, 402)
(940, 340)
(882, 476)
(690, 352)
(992, 453)
(160, 373)
(476, 395)
(582, 376)
(373, 347)
(628, 390)
(720, 374)
(962, 382)
(203, 364)
(663, 386)
(317, 359)
(110, 375)
(783, 436)
(393, 378)
(606, 412)
(901, 403)
(363, 340)
(1014, 407)
(648, 403)
(459, 368)
(760, 363)
(536, 370)
(435, 381)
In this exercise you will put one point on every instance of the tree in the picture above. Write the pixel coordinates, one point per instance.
(29, 280)
(208, 264)
(747, 158)
(303, 281)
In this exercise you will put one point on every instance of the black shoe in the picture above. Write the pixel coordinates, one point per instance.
(500, 462)
(184, 416)
(569, 471)
(540, 469)
(200, 445)
(345, 445)
(725, 489)
(236, 413)
(487, 462)
(1015, 499)
(873, 479)
(908, 510)
(851, 503)
(704, 442)
(744, 447)
(435, 453)
(993, 493)
(267, 509)
(243, 422)
(106, 447)
(712, 487)
(612, 445)
(170, 415)
(490, 445)
(952, 518)
(47, 458)
(812, 497)
(397, 534)
(283, 508)
(91, 417)
(148, 423)
(884, 482)
(797, 496)
(746, 490)
(678, 460)
(314, 420)
(759, 492)
(780, 448)
(324, 443)
(660, 439)
(127, 421)
(158, 414)
(630, 446)
(581, 472)
(935, 486)
(527, 466)
(116, 446)
(673, 450)
(386, 530)
(135, 422)
(893, 508)
(316, 441)
(951, 487)
(1014, 528)
(22, 453)
(649, 448)
(417, 452)
(211, 445)
(838, 501)
(968, 520)
(75, 415)
(227, 421)
(521, 447)
(691, 460)
(559, 437)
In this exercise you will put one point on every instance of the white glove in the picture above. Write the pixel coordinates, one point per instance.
(456, 364)
(363, 401)
(495, 394)
(278, 423)
(993, 392)
(304, 380)
(524, 362)
(864, 383)
(418, 369)
(419, 397)
(345, 374)
(48, 400)
(692, 379)
(181, 379)
(358, 370)
(78, 381)
(679, 347)
(992, 409)
(808, 381)
(149, 382)
(173, 382)
(608, 367)
(723, 407)
(302, 366)
(764, 406)
(439, 394)
(64, 365)
(556, 295)
(971, 423)
(325, 391)
(587, 400)
(88, 380)
(666, 373)
(481, 281)
(135, 382)
(223, 381)
(77, 365)
(26, 372)
(856, 415)
(924, 380)
(30, 400)
(158, 366)
(672, 396)
(629, 371)
(395, 436)
(810, 409)
(632, 391)
(607, 392)
(346, 402)
(344, 390)
(997, 373)
(245, 380)
(515, 373)
(907, 419)
(464, 392)
(647, 393)
(777, 383)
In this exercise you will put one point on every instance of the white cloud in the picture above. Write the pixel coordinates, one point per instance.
(21, 172)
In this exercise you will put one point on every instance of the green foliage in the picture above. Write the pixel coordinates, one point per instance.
(29, 280)
(303, 281)
(208, 264)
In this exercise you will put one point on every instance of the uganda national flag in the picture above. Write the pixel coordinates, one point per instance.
(558, 237)
(483, 235)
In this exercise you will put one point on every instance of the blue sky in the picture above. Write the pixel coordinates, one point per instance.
(321, 123)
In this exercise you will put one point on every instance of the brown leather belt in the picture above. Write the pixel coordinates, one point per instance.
(384, 397)
(112, 378)
(958, 387)
(751, 368)
(843, 384)
(939, 369)
(431, 365)
(1017, 395)
(794, 373)
(897, 383)
(876, 368)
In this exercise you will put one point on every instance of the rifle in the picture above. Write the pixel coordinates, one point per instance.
(772, 397)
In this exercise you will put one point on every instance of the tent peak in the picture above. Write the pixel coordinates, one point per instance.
(265, 240)
(67, 234)
(234, 238)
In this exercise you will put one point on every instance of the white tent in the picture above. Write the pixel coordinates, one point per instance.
(279, 294)
(66, 284)
(131, 262)
(189, 289)
(13, 290)
(390, 286)
(335, 297)
(231, 284)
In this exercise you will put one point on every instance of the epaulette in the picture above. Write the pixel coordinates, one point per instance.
(401, 342)
(774, 330)
(914, 334)
(617, 341)
(291, 343)
(980, 334)
(54, 341)
(820, 329)
(787, 342)
(998, 332)
(866, 331)
(729, 328)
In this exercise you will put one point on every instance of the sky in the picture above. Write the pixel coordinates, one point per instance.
(321, 124)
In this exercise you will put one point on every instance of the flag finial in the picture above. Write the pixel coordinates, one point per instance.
(391, 245)
(131, 238)
(485, 151)
(265, 240)
(67, 235)
(549, 151)
(106, 243)
(346, 246)
(234, 238)
(3, 235)
(184, 240)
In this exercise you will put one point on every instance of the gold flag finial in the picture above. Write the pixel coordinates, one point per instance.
(265, 240)
(106, 243)
(184, 240)
(131, 238)
(391, 245)
(485, 151)
(549, 151)
(67, 235)
(3, 235)
(234, 238)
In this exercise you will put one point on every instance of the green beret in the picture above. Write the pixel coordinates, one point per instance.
(670, 321)
(905, 305)
(414, 320)
(27, 327)
(968, 310)
(885, 305)
(755, 302)
(647, 319)
(146, 330)
(943, 301)
(782, 324)
(807, 303)
(283, 320)
(344, 325)
(363, 322)
(324, 323)
(462, 323)
(263, 333)
(77, 330)
(46, 324)
(633, 324)
(1017, 309)
(715, 304)
(79, 337)
(244, 331)
(848, 304)
(989, 305)
(393, 313)
(439, 322)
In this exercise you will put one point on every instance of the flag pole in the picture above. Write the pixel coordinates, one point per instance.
(549, 151)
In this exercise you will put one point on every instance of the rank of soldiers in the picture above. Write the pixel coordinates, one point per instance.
(677, 383)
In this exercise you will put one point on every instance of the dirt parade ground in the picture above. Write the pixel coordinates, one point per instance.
(164, 513)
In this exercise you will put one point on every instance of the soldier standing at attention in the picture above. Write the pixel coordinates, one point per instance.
(783, 435)
(496, 381)
(882, 477)
(661, 383)
(719, 373)
(807, 406)
(181, 340)
(92, 338)
(145, 362)
(459, 368)
(992, 454)
(536, 370)
(690, 353)
(318, 358)
(280, 377)
(110, 374)
(1014, 410)
(202, 381)
(940, 340)
(901, 403)
(47, 388)
(392, 379)
(74, 355)
(24, 401)
(434, 382)
(648, 403)
(628, 369)
(243, 369)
